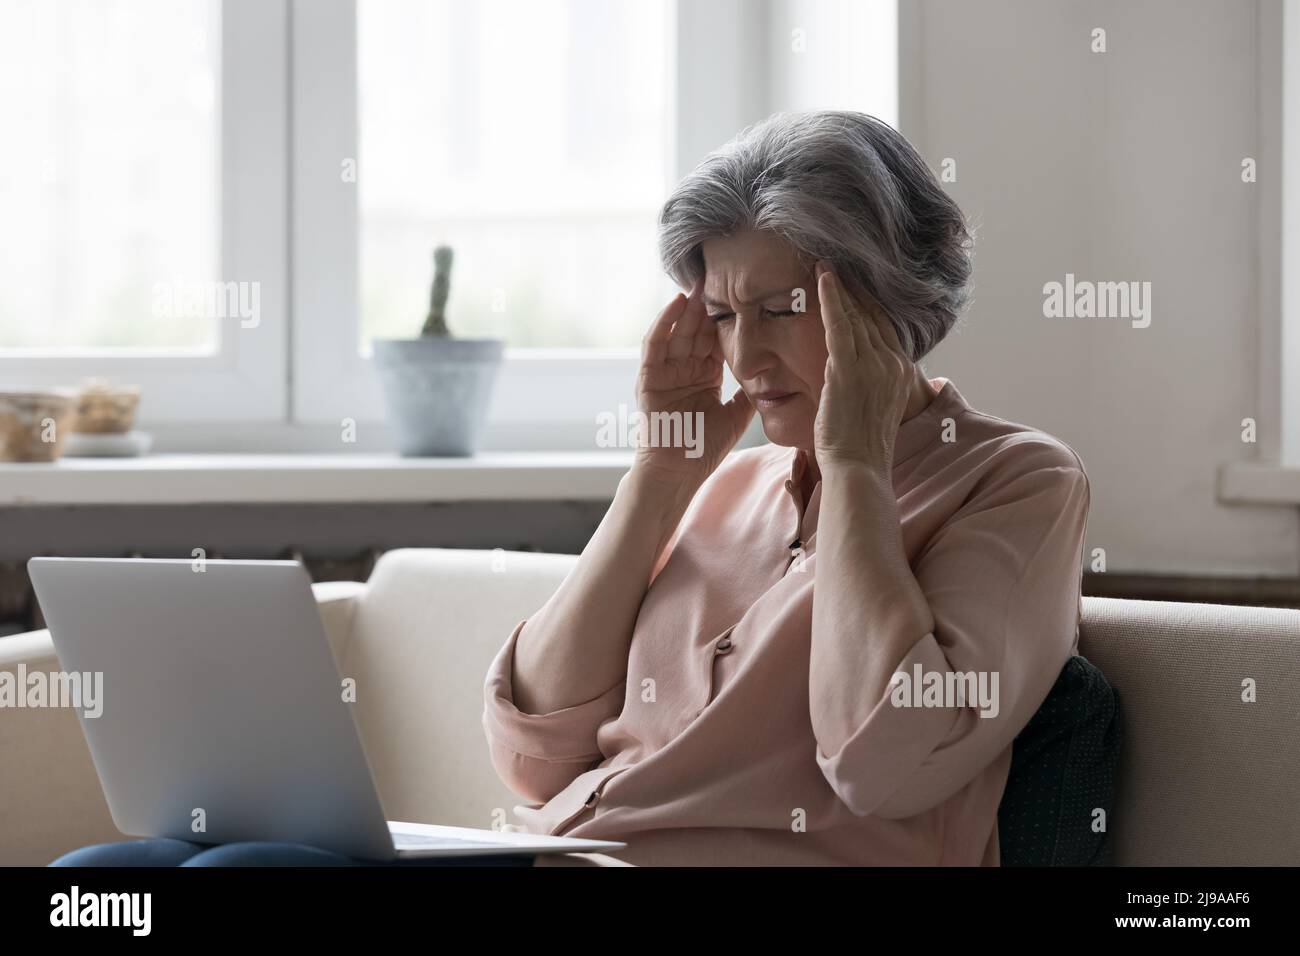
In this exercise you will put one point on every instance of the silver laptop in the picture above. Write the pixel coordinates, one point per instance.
(222, 715)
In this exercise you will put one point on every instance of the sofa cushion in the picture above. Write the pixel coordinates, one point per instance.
(1062, 771)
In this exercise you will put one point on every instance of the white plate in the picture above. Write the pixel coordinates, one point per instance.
(91, 445)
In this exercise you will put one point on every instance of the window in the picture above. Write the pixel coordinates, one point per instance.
(534, 137)
(100, 213)
(143, 145)
(538, 139)
(172, 164)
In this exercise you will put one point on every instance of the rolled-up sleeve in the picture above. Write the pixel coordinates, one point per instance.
(538, 755)
(1002, 580)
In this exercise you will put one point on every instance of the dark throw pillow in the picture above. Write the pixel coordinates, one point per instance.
(1062, 769)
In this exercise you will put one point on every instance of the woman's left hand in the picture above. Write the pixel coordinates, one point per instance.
(865, 390)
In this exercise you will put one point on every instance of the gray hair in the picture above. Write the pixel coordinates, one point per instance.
(840, 186)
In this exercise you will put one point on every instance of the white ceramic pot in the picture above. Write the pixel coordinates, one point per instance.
(437, 391)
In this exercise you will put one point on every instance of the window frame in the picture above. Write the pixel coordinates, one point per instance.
(244, 379)
(332, 380)
(1282, 344)
(289, 118)
(1277, 294)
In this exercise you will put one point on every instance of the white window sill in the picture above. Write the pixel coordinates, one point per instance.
(1255, 483)
(312, 479)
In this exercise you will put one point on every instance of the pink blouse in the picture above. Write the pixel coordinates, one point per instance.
(714, 749)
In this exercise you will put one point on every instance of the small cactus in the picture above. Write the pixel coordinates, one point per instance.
(435, 323)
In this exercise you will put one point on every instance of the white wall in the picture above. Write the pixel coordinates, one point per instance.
(1116, 166)
(834, 54)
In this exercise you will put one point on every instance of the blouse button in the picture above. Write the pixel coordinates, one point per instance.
(724, 645)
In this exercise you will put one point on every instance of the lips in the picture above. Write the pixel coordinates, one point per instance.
(772, 399)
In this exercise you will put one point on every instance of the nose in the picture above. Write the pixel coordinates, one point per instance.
(750, 356)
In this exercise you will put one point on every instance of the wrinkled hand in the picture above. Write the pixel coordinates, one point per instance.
(865, 391)
(681, 371)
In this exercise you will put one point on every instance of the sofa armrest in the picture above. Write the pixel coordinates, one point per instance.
(51, 800)
(337, 603)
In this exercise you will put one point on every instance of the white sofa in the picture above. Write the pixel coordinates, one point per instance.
(1204, 779)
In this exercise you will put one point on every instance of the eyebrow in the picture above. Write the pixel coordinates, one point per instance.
(762, 296)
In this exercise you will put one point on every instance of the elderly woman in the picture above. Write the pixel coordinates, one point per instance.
(683, 691)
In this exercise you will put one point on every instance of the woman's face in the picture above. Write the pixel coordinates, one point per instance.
(754, 288)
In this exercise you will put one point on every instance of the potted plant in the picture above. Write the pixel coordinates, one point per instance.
(437, 387)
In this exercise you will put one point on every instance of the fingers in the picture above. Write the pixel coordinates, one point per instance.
(871, 328)
(688, 321)
(695, 335)
(883, 336)
(889, 334)
(841, 338)
(706, 340)
(681, 331)
(654, 347)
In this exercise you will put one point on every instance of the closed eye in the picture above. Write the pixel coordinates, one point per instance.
(724, 316)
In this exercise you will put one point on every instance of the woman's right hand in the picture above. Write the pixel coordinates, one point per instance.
(681, 371)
